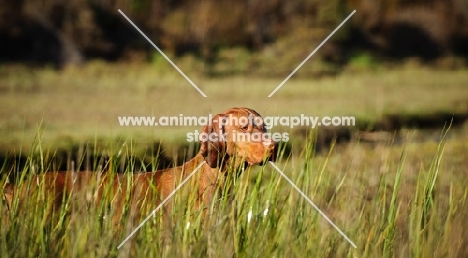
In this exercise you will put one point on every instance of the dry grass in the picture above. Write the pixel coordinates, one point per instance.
(406, 198)
(392, 200)
(84, 103)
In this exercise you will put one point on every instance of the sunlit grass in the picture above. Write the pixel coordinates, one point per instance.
(392, 200)
(398, 199)
(84, 103)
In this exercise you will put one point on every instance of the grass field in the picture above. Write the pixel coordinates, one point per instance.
(84, 103)
(393, 199)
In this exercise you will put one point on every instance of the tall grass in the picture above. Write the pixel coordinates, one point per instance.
(393, 200)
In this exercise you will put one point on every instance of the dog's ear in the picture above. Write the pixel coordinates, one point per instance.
(213, 142)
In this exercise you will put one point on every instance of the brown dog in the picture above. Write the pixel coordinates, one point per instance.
(232, 140)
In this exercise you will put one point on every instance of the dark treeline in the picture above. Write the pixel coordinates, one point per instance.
(62, 32)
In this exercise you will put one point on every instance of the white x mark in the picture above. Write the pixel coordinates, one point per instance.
(313, 204)
(164, 55)
(311, 54)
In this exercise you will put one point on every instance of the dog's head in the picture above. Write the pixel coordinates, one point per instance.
(237, 136)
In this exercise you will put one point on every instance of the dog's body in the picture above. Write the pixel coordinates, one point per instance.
(218, 158)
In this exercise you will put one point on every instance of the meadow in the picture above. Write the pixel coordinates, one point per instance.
(405, 196)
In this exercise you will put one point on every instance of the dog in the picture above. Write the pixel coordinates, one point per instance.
(234, 140)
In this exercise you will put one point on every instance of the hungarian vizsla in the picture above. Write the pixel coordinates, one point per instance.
(234, 139)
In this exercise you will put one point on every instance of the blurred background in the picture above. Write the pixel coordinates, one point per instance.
(60, 33)
(68, 69)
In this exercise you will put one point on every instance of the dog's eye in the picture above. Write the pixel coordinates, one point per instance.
(244, 127)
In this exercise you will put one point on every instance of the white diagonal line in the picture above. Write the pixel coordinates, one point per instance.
(159, 50)
(311, 54)
(313, 204)
(160, 205)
